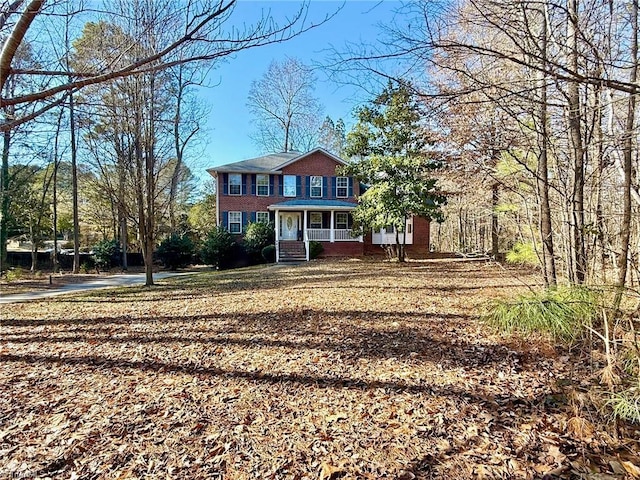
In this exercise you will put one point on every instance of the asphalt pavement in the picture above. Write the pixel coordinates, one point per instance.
(122, 280)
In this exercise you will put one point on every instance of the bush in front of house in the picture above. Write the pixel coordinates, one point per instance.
(315, 249)
(106, 254)
(258, 236)
(269, 253)
(176, 251)
(217, 248)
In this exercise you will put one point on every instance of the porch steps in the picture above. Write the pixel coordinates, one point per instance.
(292, 252)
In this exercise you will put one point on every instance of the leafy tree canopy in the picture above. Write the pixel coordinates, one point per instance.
(389, 155)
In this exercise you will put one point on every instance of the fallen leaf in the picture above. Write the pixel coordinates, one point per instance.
(632, 469)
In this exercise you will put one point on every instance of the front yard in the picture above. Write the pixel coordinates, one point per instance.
(347, 369)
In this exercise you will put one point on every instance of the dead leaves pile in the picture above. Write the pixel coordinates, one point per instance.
(323, 371)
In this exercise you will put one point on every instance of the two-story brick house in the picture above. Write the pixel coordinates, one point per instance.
(305, 198)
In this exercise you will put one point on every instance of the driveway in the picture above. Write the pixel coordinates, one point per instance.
(122, 280)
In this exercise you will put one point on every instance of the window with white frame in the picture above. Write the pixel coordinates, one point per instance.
(262, 217)
(262, 182)
(342, 220)
(316, 186)
(342, 187)
(315, 219)
(235, 222)
(289, 189)
(235, 184)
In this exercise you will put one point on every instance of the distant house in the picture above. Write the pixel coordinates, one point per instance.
(306, 199)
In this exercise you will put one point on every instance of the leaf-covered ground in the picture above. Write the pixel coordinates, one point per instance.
(349, 369)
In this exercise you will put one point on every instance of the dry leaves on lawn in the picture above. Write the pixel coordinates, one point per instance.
(328, 370)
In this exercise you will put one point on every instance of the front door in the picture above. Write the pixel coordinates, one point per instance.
(289, 226)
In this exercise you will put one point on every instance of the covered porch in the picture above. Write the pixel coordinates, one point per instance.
(305, 221)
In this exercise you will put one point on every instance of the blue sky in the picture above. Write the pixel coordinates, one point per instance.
(229, 124)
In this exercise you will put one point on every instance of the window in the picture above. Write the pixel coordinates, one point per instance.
(315, 219)
(342, 187)
(316, 186)
(342, 221)
(235, 222)
(262, 217)
(235, 184)
(262, 182)
(289, 186)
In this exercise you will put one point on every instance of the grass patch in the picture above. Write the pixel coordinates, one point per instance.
(523, 254)
(562, 313)
(625, 405)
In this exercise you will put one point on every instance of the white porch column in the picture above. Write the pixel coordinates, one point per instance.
(305, 235)
(277, 236)
(332, 232)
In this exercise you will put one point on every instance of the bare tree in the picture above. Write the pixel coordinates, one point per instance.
(287, 114)
(563, 65)
(175, 33)
(207, 24)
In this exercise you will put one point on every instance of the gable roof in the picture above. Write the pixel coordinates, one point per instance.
(272, 163)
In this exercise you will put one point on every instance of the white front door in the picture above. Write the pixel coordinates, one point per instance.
(289, 226)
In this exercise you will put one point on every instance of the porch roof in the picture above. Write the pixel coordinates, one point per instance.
(304, 204)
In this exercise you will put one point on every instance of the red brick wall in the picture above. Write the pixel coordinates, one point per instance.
(421, 237)
(248, 202)
(342, 249)
(315, 164)
(318, 164)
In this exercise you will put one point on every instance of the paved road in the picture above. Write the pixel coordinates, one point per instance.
(105, 282)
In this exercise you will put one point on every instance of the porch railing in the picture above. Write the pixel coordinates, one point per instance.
(324, 235)
(319, 234)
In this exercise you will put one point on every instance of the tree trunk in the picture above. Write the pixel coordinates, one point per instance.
(74, 188)
(54, 255)
(4, 195)
(577, 194)
(16, 36)
(399, 250)
(176, 139)
(495, 198)
(542, 181)
(625, 228)
(124, 244)
(600, 221)
(287, 127)
(34, 245)
(149, 173)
